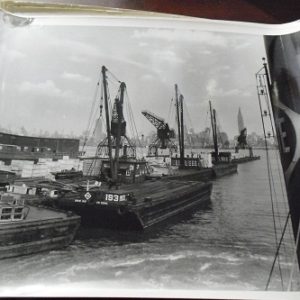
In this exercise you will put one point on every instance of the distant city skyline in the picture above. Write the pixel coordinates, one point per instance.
(49, 75)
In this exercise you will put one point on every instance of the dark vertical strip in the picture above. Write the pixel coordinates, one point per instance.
(118, 137)
(178, 122)
(283, 54)
(107, 118)
(182, 131)
(214, 131)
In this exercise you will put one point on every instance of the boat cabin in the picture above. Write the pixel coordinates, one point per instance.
(189, 161)
(193, 161)
(222, 157)
(12, 208)
(129, 171)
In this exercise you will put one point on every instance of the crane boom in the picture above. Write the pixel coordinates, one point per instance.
(156, 121)
(164, 133)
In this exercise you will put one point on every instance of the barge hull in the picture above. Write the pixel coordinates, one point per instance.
(99, 216)
(207, 174)
(179, 204)
(35, 246)
(242, 160)
(43, 233)
(152, 202)
(225, 169)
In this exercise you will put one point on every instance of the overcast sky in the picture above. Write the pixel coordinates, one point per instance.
(49, 75)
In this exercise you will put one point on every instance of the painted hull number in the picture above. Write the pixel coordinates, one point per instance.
(115, 198)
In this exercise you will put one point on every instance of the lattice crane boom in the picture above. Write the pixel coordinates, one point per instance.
(164, 133)
(156, 121)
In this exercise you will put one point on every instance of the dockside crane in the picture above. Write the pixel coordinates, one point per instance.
(164, 133)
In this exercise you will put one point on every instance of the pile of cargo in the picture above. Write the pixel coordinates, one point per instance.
(4, 167)
(205, 160)
(43, 168)
(21, 188)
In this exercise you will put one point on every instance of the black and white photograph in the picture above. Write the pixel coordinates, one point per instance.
(146, 158)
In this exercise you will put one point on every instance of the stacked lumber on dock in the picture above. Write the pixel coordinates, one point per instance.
(43, 168)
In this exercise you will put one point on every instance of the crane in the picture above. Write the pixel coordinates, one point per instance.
(164, 133)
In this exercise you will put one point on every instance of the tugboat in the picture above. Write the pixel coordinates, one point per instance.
(27, 229)
(123, 199)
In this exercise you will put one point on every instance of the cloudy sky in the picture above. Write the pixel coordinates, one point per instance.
(49, 74)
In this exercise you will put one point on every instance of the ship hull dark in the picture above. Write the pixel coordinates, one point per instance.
(67, 175)
(245, 159)
(36, 235)
(224, 169)
(94, 216)
(154, 202)
(205, 174)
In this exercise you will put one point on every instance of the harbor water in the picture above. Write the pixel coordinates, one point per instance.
(227, 245)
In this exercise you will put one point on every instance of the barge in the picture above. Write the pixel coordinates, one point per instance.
(124, 199)
(27, 229)
(241, 160)
(164, 161)
(196, 171)
(135, 206)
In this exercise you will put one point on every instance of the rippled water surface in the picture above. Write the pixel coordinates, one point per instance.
(228, 245)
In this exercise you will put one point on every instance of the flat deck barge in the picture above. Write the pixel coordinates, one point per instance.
(135, 206)
(30, 229)
(192, 170)
(245, 159)
(205, 174)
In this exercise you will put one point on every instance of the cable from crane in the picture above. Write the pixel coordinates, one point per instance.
(131, 118)
(170, 111)
(114, 76)
(92, 110)
(187, 116)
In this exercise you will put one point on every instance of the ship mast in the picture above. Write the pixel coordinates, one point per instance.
(182, 131)
(178, 120)
(108, 133)
(214, 131)
(119, 107)
(179, 116)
